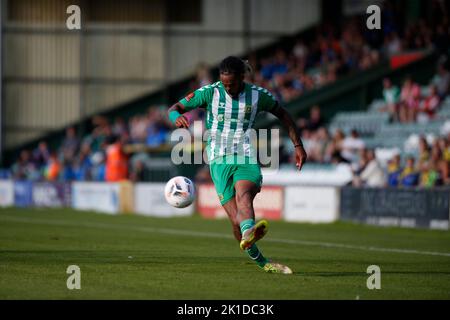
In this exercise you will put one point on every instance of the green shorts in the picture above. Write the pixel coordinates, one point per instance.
(225, 177)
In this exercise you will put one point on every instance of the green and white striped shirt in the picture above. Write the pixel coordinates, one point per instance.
(229, 120)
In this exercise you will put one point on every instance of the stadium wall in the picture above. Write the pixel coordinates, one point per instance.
(54, 77)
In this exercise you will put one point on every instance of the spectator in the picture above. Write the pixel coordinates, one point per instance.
(70, 143)
(372, 175)
(409, 176)
(138, 129)
(351, 145)
(410, 97)
(53, 168)
(428, 174)
(391, 96)
(83, 164)
(314, 122)
(394, 171)
(41, 155)
(429, 106)
(334, 148)
(24, 168)
(116, 160)
(120, 127)
(98, 171)
(442, 81)
(424, 150)
(156, 128)
(440, 160)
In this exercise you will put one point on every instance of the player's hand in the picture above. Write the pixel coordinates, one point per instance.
(300, 157)
(182, 122)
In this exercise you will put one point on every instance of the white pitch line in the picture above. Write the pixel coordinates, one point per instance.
(215, 235)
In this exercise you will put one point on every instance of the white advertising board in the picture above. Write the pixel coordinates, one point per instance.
(149, 200)
(311, 204)
(96, 196)
(6, 193)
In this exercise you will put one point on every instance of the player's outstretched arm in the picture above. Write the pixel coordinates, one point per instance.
(289, 124)
(176, 115)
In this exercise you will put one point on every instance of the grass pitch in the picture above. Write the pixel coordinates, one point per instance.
(135, 257)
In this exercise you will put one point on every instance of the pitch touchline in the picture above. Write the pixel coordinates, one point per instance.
(216, 235)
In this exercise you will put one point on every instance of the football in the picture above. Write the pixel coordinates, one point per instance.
(179, 192)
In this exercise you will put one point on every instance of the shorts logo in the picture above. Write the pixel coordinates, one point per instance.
(190, 96)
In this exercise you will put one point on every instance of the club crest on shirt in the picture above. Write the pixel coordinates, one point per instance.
(248, 109)
(220, 117)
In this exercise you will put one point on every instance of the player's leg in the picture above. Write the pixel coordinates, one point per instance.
(222, 177)
(231, 209)
(248, 182)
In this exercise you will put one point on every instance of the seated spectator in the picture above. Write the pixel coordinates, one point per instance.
(314, 122)
(429, 175)
(409, 98)
(409, 176)
(319, 144)
(442, 81)
(429, 106)
(394, 171)
(24, 168)
(391, 96)
(440, 161)
(424, 150)
(351, 145)
(334, 148)
(372, 175)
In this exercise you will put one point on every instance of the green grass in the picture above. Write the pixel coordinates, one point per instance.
(135, 257)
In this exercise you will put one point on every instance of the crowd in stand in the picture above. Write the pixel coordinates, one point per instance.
(410, 104)
(335, 52)
(98, 156)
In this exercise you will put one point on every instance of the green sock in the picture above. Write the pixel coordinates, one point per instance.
(256, 256)
(246, 224)
(253, 251)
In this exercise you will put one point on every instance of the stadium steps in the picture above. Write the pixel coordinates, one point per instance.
(364, 122)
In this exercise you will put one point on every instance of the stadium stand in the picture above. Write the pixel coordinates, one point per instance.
(305, 65)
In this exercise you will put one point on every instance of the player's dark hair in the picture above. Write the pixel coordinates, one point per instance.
(233, 65)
